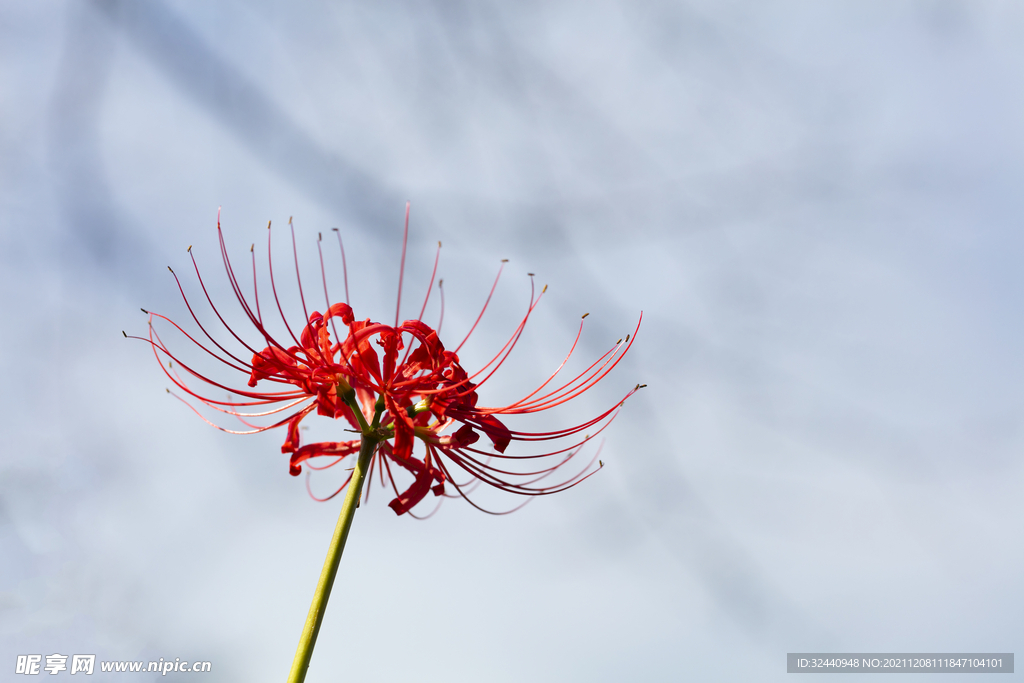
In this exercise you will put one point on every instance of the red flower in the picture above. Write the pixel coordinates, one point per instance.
(397, 380)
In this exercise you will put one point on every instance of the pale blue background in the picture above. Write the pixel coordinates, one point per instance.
(818, 207)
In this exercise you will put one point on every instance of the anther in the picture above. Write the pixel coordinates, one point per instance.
(544, 290)
(530, 274)
(504, 260)
(618, 342)
(627, 337)
(125, 334)
(334, 229)
(170, 269)
(144, 311)
(440, 283)
(584, 315)
(319, 237)
(167, 390)
(439, 244)
(189, 250)
(600, 463)
(252, 247)
(641, 386)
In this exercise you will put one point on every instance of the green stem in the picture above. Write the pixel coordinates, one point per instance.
(323, 587)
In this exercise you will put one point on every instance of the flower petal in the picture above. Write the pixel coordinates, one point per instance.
(315, 450)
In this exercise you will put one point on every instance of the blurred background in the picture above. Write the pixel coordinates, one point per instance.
(816, 206)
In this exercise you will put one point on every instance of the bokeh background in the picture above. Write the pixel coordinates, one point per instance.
(816, 205)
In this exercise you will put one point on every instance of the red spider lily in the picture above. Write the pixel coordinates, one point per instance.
(398, 378)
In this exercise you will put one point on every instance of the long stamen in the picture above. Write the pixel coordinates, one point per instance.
(344, 266)
(323, 275)
(233, 281)
(255, 289)
(210, 301)
(324, 500)
(159, 348)
(557, 370)
(546, 401)
(430, 287)
(188, 305)
(617, 354)
(273, 287)
(466, 498)
(231, 431)
(216, 404)
(401, 269)
(506, 350)
(256, 319)
(440, 290)
(488, 301)
(298, 277)
(502, 354)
